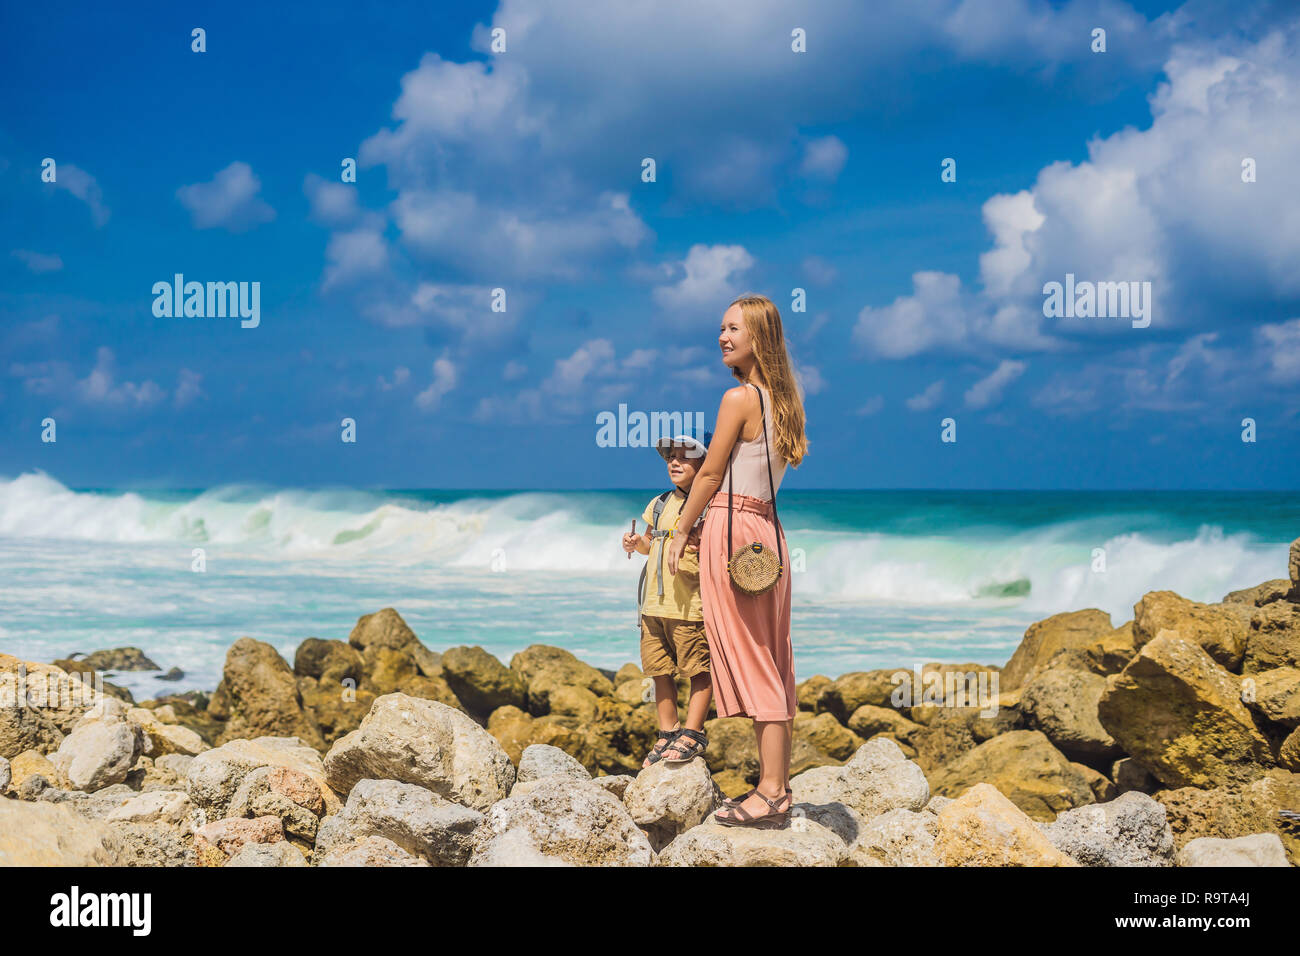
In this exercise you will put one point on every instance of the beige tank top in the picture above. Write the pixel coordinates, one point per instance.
(749, 462)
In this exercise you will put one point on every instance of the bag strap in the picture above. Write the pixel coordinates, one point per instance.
(762, 416)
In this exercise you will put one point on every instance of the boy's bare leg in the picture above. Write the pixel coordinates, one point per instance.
(666, 702)
(697, 708)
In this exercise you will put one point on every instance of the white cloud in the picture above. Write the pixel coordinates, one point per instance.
(708, 280)
(1280, 346)
(926, 399)
(38, 262)
(101, 388)
(352, 256)
(824, 158)
(988, 391)
(819, 271)
(84, 186)
(444, 380)
(872, 405)
(188, 387)
(401, 375)
(229, 201)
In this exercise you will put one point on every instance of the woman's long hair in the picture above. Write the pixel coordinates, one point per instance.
(763, 322)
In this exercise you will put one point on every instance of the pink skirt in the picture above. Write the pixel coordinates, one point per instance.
(748, 634)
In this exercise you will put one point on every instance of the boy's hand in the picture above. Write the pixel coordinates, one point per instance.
(630, 541)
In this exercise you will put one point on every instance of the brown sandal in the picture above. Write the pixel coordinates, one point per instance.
(737, 801)
(687, 745)
(666, 738)
(776, 820)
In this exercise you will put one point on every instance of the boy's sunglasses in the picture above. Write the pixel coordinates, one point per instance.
(677, 451)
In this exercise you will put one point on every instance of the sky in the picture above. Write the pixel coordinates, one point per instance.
(522, 169)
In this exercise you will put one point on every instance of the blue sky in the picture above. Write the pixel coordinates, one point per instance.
(776, 170)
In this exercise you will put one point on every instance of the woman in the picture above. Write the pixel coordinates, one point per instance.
(760, 424)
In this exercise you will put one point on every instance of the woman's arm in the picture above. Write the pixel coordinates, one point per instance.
(733, 410)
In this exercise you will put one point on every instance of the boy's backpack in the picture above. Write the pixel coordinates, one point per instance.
(656, 544)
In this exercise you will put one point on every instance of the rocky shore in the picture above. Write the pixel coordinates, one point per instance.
(1173, 739)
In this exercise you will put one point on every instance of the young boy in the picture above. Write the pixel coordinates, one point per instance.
(672, 624)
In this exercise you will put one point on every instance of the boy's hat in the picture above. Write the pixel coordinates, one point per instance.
(695, 447)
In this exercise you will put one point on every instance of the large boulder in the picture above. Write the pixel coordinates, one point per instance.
(1236, 810)
(60, 700)
(826, 734)
(329, 662)
(1275, 695)
(262, 696)
(560, 818)
(1023, 766)
(1180, 714)
(384, 628)
(1062, 703)
(666, 799)
(367, 851)
(983, 828)
(878, 779)
(102, 748)
(869, 720)
(803, 843)
(1045, 639)
(540, 761)
(732, 746)
(1258, 849)
(155, 806)
(1260, 594)
(214, 776)
(480, 681)
(544, 670)
(46, 834)
(1128, 831)
(1274, 638)
(1219, 629)
(425, 743)
(842, 696)
(163, 738)
(897, 838)
(415, 819)
(120, 659)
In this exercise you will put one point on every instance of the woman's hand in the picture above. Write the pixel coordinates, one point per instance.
(676, 544)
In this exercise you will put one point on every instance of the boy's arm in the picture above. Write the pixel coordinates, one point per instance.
(643, 542)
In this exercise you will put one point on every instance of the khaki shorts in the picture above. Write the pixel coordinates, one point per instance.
(671, 647)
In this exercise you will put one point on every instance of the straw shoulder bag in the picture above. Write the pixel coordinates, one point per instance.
(755, 569)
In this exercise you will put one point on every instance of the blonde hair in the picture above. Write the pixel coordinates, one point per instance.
(763, 323)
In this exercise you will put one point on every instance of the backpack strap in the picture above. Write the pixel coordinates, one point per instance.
(762, 418)
(657, 541)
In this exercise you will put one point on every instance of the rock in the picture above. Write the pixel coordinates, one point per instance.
(1180, 714)
(827, 735)
(869, 720)
(1236, 810)
(34, 766)
(616, 784)
(544, 669)
(214, 776)
(1288, 754)
(1260, 594)
(1128, 831)
(291, 796)
(983, 828)
(157, 806)
(1258, 849)
(731, 783)
(803, 843)
(1294, 567)
(575, 702)
(578, 823)
(1219, 629)
(163, 738)
(1023, 766)
(539, 761)
(480, 681)
(513, 729)
(666, 799)
(426, 743)
(61, 700)
(215, 843)
(1102, 787)
(514, 848)
(384, 628)
(1062, 704)
(391, 671)
(169, 772)
(281, 853)
(1044, 639)
(329, 662)
(369, 851)
(843, 821)
(173, 674)
(850, 691)
(44, 834)
(263, 696)
(415, 819)
(897, 838)
(810, 691)
(93, 806)
(101, 750)
(1128, 775)
(120, 659)
(153, 844)
(27, 728)
(732, 747)
(337, 709)
(878, 779)
(1276, 695)
(5, 774)
(1274, 638)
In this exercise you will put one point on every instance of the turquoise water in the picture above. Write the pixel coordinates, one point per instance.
(880, 578)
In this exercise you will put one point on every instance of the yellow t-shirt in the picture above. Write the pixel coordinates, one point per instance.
(681, 600)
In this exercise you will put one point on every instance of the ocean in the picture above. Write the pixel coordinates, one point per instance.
(880, 578)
